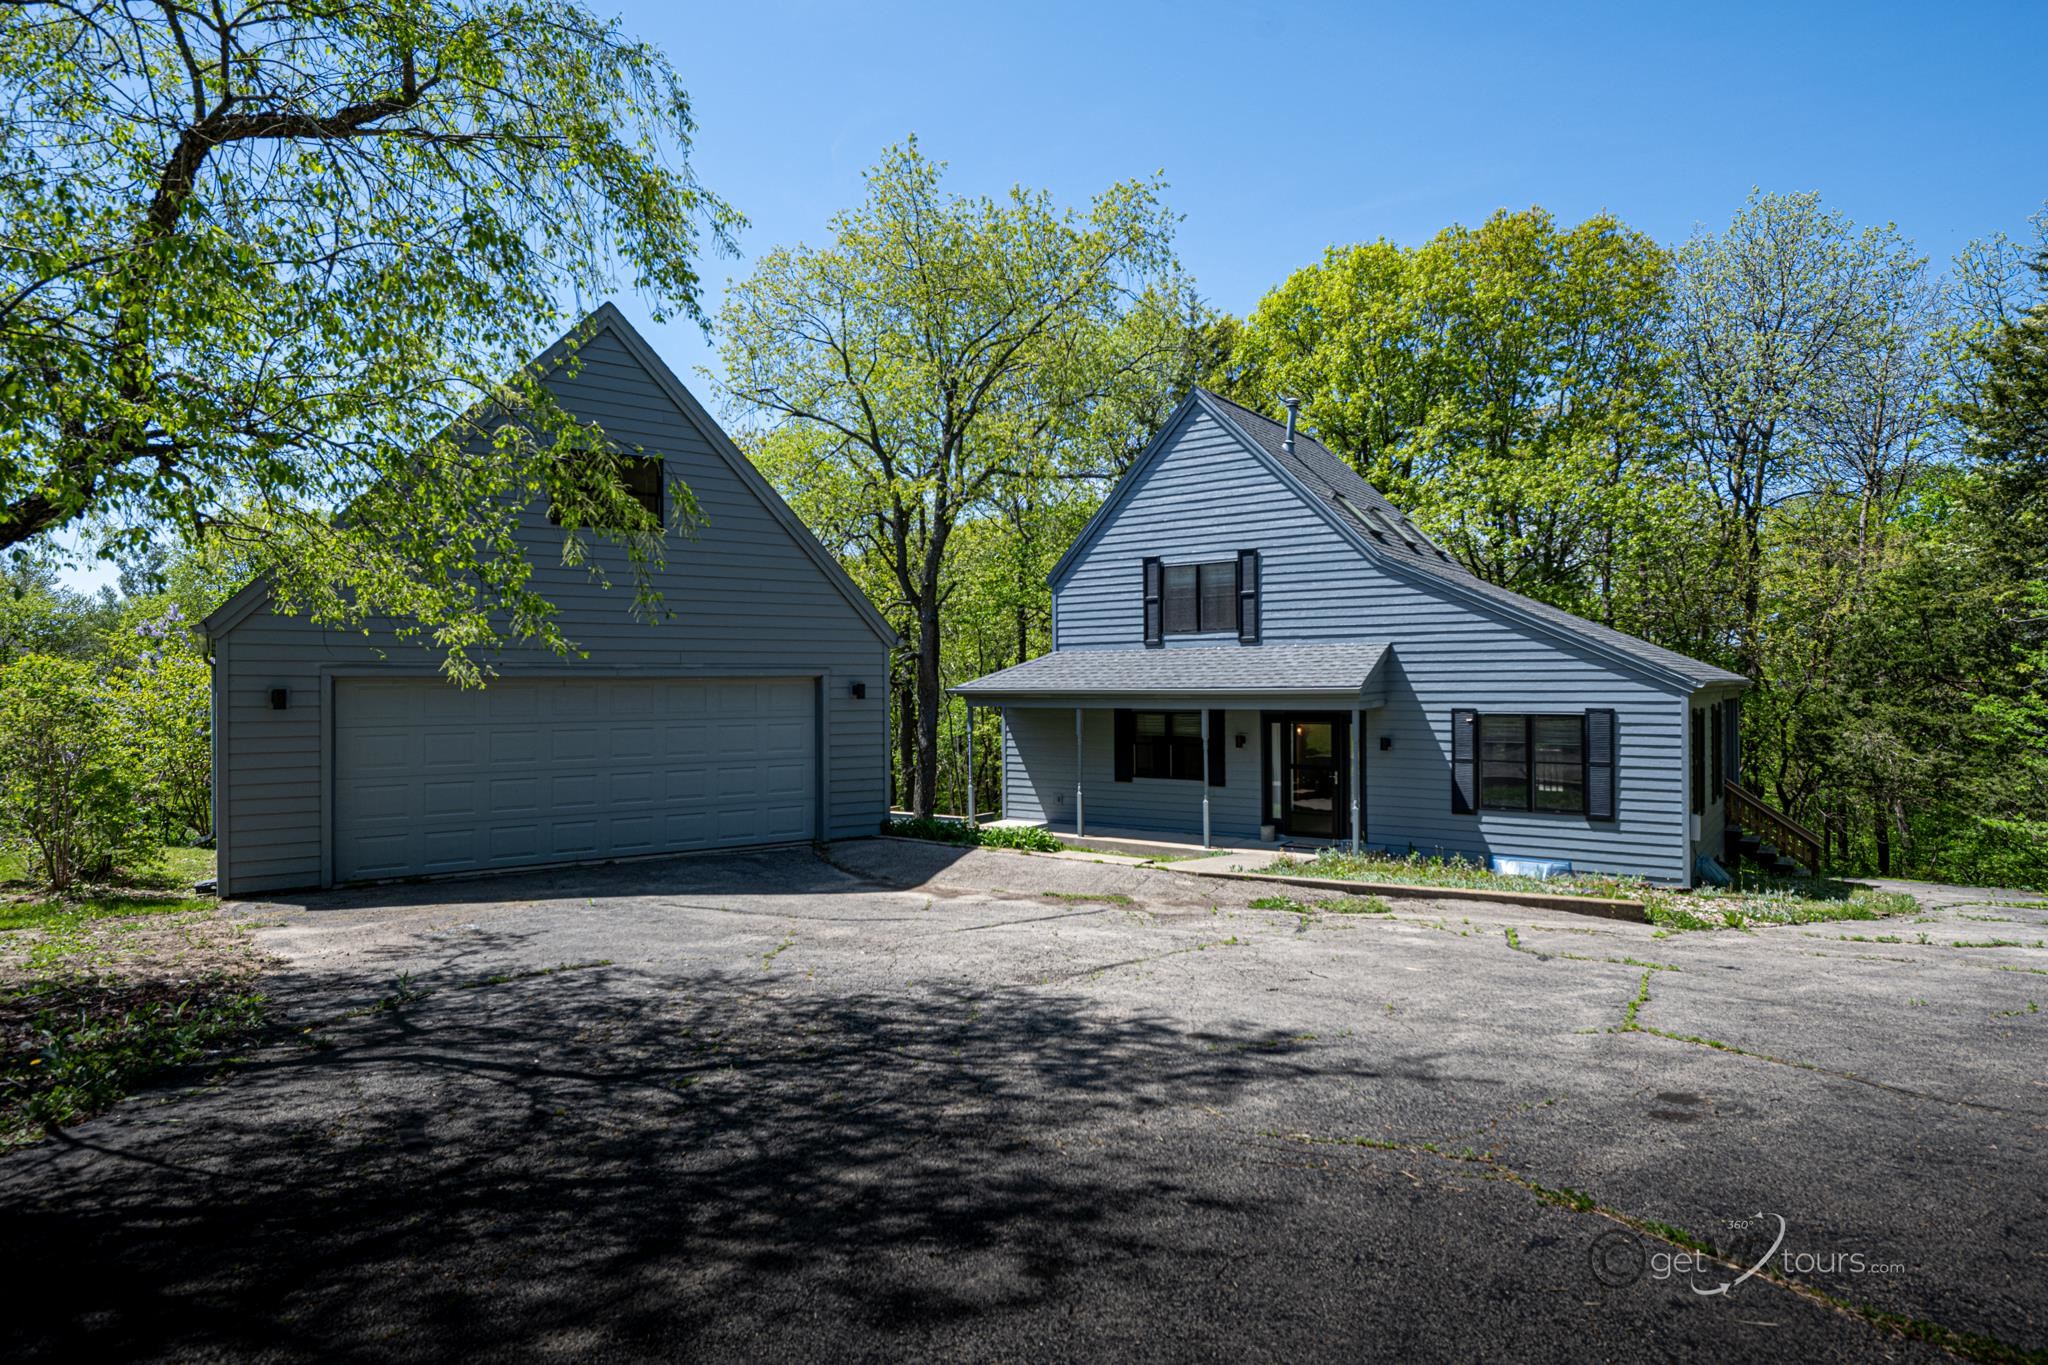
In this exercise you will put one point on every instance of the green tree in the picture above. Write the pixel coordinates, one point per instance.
(69, 792)
(941, 354)
(1504, 384)
(263, 262)
(1768, 318)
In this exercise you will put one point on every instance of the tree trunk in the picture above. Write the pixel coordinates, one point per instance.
(925, 791)
(906, 744)
(1884, 842)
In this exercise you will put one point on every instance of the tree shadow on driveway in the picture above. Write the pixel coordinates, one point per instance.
(595, 1161)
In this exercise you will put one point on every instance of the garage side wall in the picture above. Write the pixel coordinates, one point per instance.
(748, 601)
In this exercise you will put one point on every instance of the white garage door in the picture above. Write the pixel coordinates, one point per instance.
(430, 778)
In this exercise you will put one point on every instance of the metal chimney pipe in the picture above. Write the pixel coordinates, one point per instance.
(1293, 410)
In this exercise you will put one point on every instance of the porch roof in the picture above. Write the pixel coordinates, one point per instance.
(1348, 672)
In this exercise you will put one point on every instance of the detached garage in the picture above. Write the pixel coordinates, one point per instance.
(758, 716)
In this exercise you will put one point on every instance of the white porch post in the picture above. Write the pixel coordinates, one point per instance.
(1080, 819)
(1357, 776)
(1205, 777)
(971, 821)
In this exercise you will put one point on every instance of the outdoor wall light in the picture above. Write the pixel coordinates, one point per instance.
(279, 699)
(1386, 743)
(860, 691)
(1240, 741)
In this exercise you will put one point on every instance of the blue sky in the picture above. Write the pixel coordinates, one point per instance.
(1282, 128)
(1285, 127)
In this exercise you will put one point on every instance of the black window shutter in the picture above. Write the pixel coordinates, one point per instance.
(1731, 732)
(1216, 748)
(1699, 761)
(1126, 742)
(1599, 750)
(1247, 597)
(1720, 754)
(1153, 619)
(1464, 761)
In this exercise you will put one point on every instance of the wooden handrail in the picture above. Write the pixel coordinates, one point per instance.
(1783, 829)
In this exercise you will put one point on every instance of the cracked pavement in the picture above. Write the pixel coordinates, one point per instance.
(918, 1102)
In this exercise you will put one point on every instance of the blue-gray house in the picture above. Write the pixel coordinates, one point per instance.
(1250, 642)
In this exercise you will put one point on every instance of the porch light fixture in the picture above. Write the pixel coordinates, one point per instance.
(1386, 743)
(860, 691)
(1240, 741)
(279, 698)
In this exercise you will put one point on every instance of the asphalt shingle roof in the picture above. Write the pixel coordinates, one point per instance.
(1393, 536)
(1342, 668)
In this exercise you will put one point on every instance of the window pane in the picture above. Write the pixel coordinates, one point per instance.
(1219, 596)
(1560, 768)
(1167, 744)
(1182, 609)
(1503, 763)
(643, 481)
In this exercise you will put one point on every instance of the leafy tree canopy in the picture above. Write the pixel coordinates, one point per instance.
(263, 263)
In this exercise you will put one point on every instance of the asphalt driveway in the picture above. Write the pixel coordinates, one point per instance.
(917, 1103)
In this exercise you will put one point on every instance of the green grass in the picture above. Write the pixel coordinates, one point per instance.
(88, 1011)
(87, 1050)
(971, 836)
(1339, 905)
(1753, 901)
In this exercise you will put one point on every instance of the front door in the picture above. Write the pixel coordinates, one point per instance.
(1308, 761)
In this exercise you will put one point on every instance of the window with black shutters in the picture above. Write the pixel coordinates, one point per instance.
(1699, 761)
(1536, 763)
(1167, 744)
(1201, 598)
(1720, 751)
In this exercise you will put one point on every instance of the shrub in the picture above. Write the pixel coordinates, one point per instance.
(69, 790)
(1019, 836)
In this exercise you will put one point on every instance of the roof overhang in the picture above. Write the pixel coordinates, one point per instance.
(1338, 675)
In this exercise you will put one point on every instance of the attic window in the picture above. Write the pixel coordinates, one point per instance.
(642, 477)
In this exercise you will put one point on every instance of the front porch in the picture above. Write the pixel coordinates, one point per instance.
(1197, 746)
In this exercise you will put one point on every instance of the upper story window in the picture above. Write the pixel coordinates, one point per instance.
(1201, 597)
(1219, 597)
(642, 477)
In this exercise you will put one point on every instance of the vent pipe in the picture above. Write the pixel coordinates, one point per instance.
(1293, 409)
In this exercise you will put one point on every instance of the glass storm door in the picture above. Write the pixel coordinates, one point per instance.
(1312, 787)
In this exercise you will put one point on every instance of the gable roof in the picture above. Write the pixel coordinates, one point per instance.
(607, 318)
(1383, 531)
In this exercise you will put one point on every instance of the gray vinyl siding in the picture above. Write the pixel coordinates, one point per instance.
(748, 601)
(1205, 496)
(1038, 775)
